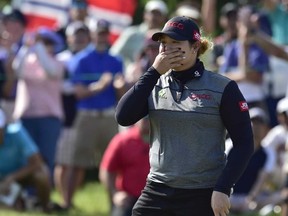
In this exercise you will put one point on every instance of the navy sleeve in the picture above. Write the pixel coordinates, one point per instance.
(235, 115)
(134, 103)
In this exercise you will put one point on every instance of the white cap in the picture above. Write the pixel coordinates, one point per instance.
(282, 105)
(156, 5)
(74, 27)
(259, 113)
(188, 11)
(2, 118)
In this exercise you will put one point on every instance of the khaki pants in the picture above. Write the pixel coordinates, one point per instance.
(93, 131)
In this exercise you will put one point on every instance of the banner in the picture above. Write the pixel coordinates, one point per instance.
(118, 12)
(50, 13)
(54, 13)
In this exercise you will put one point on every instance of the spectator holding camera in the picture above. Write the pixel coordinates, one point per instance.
(246, 62)
(38, 97)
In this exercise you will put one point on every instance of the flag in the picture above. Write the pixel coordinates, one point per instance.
(118, 12)
(49, 13)
(54, 13)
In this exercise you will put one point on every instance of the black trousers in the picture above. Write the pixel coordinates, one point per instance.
(160, 200)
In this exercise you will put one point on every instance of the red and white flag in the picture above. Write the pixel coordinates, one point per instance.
(54, 13)
(49, 13)
(117, 12)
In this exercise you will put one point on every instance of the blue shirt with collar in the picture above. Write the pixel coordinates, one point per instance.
(89, 69)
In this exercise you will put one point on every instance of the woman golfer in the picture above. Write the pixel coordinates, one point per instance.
(191, 110)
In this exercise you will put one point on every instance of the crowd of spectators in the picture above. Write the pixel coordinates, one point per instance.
(59, 88)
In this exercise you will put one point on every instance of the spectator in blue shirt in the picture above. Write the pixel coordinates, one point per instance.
(98, 83)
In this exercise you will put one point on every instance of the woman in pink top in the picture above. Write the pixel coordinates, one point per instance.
(38, 98)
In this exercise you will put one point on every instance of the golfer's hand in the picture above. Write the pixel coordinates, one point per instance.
(220, 203)
(168, 59)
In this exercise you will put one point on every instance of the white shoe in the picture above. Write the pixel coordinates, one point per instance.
(10, 198)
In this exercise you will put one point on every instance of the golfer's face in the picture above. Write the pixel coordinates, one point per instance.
(167, 43)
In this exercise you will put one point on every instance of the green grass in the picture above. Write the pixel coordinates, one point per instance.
(90, 200)
(253, 214)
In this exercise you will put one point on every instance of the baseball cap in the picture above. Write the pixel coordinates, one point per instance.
(13, 14)
(179, 28)
(229, 9)
(156, 5)
(52, 36)
(102, 26)
(188, 11)
(258, 113)
(282, 105)
(74, 27)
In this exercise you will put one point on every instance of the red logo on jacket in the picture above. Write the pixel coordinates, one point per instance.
(199, 96)
(243, 106)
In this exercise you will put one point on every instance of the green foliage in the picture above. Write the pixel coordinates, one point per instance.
(90, 200)
(3, 3)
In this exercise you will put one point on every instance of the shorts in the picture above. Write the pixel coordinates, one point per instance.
(64, 147)
(92, 131)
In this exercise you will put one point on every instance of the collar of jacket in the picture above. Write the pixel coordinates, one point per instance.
(195, 71)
